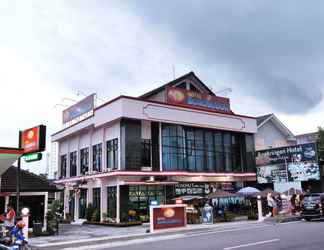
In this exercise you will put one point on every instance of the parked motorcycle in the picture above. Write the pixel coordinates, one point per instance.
(13, 239)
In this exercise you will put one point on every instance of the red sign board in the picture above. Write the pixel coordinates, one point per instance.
(191, 98)
(33, 139)
(168, 216)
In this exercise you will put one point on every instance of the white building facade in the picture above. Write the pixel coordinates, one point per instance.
(135, 150)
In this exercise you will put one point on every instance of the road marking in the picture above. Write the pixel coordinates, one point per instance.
(124, 243)
(252, 244)
(193, 234)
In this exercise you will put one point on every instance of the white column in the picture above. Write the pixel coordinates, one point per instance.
(90, 195)
(76, 206)
(118, 204)
(6, 202)
(260, 215)
(103, 201)
(66, 201)
(68, 161)
(45, 210)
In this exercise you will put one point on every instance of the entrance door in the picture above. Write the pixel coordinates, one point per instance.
(71, 204)
(82, 203)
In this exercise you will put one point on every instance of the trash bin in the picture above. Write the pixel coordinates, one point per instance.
(37, 229)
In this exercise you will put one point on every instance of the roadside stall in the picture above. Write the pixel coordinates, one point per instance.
(194, 206)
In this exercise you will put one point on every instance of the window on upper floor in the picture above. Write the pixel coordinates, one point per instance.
(73, 163)
(84, 160)
(63, 166)
(97, 156)
(146, 153)
(112, 154)
(201, 150)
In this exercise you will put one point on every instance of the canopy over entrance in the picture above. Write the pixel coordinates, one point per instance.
(8, 156)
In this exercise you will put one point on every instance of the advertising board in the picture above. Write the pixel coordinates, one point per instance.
(167, 216)
(33, 139)
(288, 164)
(191, 98)
(80, 108)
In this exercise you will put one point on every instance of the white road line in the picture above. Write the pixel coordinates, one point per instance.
(252, 244)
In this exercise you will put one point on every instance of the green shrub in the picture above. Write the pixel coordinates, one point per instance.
(96, 215)
(252, 215)
(89, 212)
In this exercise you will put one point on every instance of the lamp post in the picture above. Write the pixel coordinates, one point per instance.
(25, 218)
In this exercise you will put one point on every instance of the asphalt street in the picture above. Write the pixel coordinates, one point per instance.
(286, 236)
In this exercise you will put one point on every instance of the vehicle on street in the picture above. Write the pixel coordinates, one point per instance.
(312, 207)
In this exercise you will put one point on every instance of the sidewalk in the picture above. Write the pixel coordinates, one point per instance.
(74, 235)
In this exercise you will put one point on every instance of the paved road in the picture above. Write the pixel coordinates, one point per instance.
(287, 236)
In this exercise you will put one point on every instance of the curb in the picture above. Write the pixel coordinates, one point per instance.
(101, 240)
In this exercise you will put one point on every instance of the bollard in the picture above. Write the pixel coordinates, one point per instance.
(25, 218)
(259, 202)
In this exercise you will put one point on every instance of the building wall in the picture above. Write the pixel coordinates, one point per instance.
(269, 136)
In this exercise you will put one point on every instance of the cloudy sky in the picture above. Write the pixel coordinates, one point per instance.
(269, 53)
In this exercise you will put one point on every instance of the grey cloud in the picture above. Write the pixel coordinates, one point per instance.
(274, 49)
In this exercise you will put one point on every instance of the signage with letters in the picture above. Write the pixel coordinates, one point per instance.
(288, 164)
(80, 108)
(33, 139)
(191, 98)
(167, 216)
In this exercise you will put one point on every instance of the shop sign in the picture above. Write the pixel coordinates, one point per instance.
(288, 164)
(33, 139)
(191, 98)
(79, 109)
(167, 216)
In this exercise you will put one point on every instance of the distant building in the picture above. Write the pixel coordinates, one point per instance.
(272, 133)
(285, 160)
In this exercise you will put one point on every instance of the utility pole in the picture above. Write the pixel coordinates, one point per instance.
(18, 177)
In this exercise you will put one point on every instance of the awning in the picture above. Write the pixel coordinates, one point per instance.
(7, 157)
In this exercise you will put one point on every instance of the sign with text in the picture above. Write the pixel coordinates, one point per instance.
(167, 216)
(33, 139)
(80, 108)
(191, 98)
(288, 164)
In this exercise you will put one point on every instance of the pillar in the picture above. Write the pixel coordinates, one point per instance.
(45, 210)
(103, 202)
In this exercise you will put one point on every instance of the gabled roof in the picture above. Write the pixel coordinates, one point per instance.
(261, 120)
(191, 75)
(29, 182)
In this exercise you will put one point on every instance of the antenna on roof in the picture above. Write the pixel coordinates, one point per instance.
(173, 71)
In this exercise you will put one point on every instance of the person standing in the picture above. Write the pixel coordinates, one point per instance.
(272, 205)
(10, 217)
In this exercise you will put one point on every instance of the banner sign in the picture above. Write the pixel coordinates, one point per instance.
(33, 139)
(82, 107)
(191, 98)
(288, 164)
(167, 216)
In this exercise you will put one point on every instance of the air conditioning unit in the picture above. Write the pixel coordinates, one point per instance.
(146, 169)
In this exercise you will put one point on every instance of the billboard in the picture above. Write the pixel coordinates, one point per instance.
(191, 98)
(33, 139)
(167, 216)
(288, 164)
(82, 107)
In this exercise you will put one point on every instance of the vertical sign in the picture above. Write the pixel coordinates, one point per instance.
(33, 139)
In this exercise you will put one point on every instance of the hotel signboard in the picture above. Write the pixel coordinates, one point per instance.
(288, 164)
(190, 98)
